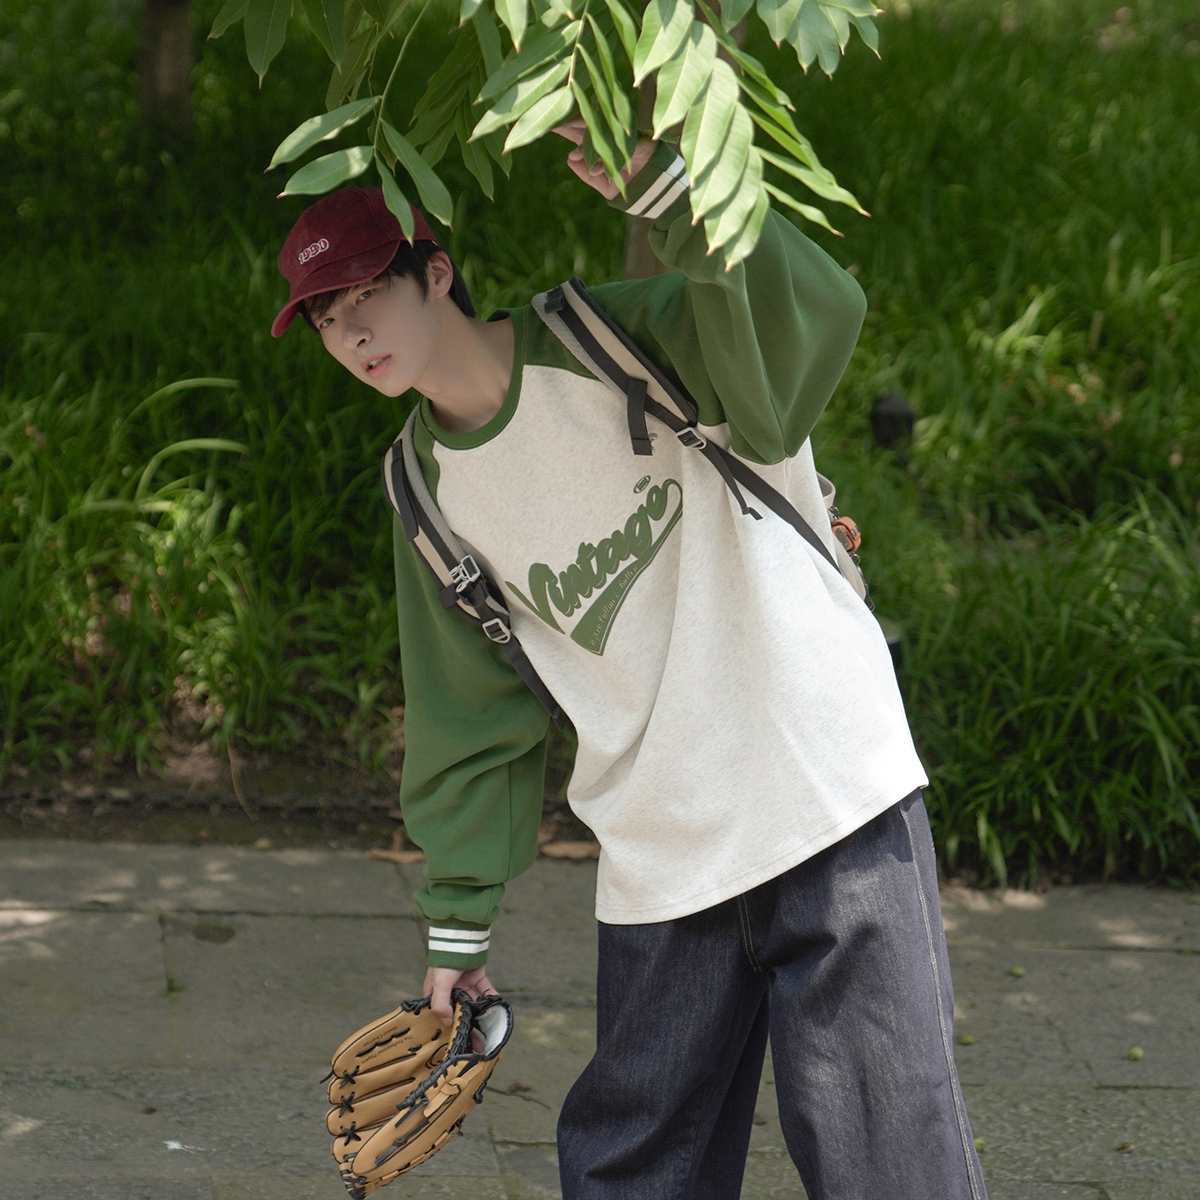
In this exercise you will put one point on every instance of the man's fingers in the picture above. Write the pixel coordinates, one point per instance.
(573, 130)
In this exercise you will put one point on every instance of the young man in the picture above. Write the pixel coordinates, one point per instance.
(761, 871)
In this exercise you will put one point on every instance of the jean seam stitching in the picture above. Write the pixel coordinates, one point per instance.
(959, 1109)
(744, 927)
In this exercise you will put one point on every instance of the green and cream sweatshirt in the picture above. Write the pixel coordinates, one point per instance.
(734, 700)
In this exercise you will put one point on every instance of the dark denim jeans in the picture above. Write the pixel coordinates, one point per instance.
(842, 961)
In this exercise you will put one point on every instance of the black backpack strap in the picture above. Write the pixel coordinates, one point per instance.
(462, 583)
(598, 342)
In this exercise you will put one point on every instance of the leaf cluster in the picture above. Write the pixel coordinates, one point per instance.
(517, 69)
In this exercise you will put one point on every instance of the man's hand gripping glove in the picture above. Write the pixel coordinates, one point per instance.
(401, 1086)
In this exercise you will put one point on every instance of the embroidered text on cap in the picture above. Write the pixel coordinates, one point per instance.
(313, 250)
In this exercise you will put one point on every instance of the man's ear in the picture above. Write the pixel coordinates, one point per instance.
(439, 274)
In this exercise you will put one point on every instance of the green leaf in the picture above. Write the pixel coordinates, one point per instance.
(626, 27)
(814, 38)
(520, 98)
(447, 83)
(329, 171)
(230, 13)
(756, 73)
(867, 30)
(709, 119)
(745, 241)
(475, 157)
(467, 10)
(538, 50)
(779, 16)
(326, 20)
(396, 201)
(805, 210)
(822, 182)
(732, 11)
(681, 79)
(377, 10)
(624, 136)
(320, 129)
(437, 145)
(345, 80)
(489, 40)
(724, 177)
(595, 127)
(434, 196)
(617, 99)
(494, 142)
(266, 28)
(515, 16)
(794, 142)
(724, 223)
(549, 111)
(665, 24)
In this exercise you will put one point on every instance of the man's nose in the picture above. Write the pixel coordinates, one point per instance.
(355, 336)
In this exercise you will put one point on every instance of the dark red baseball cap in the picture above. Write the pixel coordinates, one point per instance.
(344, 238)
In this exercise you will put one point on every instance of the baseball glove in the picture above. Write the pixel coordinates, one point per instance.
(401, 1086)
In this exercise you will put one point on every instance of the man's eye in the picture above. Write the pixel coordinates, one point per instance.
(366, 294)
(324, 323)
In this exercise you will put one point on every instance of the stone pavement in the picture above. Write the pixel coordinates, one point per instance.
(166, 1013)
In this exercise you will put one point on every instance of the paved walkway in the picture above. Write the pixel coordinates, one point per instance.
(165, 1014)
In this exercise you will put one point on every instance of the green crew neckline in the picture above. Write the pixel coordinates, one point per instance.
(485, 433)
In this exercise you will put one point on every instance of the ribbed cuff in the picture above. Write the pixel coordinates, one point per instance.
(455, 947)
(659, 191)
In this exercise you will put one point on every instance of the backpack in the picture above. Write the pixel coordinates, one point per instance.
(608, 352)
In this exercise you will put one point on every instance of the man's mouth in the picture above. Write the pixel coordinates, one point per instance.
(374, 366)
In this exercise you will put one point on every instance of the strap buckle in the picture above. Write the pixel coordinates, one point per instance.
(691, 439)
(498, 630)
(464, 573)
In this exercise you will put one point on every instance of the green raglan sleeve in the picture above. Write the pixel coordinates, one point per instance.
(762, 345)
(474, 764)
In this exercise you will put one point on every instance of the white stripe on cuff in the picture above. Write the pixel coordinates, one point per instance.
(673, 193)
(459, 947)
(673, 172)
(459, 935)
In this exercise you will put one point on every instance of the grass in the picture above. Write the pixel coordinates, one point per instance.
(194, 543)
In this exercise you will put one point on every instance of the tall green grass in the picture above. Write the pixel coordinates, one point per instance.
(192, 537)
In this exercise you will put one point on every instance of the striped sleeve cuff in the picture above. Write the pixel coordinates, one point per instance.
(457, 947)
(659, 191)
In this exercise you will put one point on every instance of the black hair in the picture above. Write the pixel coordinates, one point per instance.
(411, 261)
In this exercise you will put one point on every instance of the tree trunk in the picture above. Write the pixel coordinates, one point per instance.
(165, 61)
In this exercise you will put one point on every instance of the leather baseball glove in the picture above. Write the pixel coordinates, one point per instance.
(401, 1086)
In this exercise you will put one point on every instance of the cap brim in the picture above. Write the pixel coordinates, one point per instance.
(333, 277)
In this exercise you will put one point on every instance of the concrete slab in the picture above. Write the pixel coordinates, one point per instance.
(1073, 1016)
(1152, 1190)
(78, 1187)
(544, 1057)
(1087, 1135)
(283, 989)
(1043, 1191)
(281, 1187)
(771, 1175)
(81, 988)
(1100, 916)
(62, 874)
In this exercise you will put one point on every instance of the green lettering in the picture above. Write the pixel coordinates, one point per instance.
(586, 558)
(637, 533)
(656, 501)
(575, 582)
(608, 554)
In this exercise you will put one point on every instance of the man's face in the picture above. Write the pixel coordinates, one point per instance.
(383, 332)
